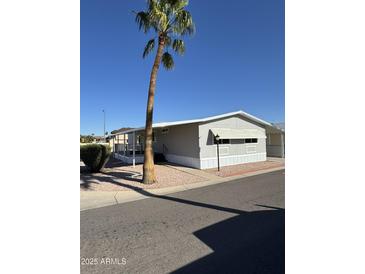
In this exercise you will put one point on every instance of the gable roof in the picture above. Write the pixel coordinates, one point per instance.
(115, 131)
(206, 119)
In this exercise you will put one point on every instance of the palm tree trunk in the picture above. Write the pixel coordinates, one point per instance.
(149, 176)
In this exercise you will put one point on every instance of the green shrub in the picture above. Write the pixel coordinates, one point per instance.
(94, 156)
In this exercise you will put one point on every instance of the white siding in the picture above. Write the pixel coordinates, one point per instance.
(232, 160)
(234, 153)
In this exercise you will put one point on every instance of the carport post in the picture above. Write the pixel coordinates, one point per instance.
(282, 145)
(113, 147)
(217, 139)
(134, 149)
(124, 145)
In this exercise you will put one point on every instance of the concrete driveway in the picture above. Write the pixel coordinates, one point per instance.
(236, 227)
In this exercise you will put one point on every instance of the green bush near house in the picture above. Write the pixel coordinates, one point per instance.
(95, 156)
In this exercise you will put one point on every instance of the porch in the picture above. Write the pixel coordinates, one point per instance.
(128, 147)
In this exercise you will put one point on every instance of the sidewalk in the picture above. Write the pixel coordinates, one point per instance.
(96, 199)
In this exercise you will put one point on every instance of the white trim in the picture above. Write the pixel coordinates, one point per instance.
(207, 119)
(134, 149)
(211, 162)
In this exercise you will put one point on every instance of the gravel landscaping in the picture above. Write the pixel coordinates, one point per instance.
(227, 171)
(121, 178)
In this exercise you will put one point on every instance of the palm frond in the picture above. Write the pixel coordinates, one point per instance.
(183, 23)
(178, 46)
(149, 47)
(159, 18)
(178, 5)
(168, 41)
(167, 61)
(143, 21)
(170, 20)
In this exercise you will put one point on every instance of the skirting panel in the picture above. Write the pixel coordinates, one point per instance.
(183, 160)
(232, 160)
(274, 151)
(129, 160)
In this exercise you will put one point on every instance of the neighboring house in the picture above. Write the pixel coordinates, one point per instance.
(118, 139)
(242, 139)
(91, 139)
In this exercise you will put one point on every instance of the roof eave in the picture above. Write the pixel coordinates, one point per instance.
(193, 121)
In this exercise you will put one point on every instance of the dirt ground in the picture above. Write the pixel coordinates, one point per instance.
(125, 177)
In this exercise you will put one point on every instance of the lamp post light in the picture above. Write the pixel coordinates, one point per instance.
(104, 127)
(217, 140)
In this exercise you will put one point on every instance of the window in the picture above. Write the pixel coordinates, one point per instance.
(139, 140)
(165, 131)
(221, 141)
(250, 140)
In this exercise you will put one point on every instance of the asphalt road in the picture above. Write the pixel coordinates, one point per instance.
(233, 227)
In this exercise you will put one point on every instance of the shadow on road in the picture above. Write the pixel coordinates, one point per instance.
(252, 242)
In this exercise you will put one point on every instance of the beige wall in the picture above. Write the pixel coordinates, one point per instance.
(274, 146)
(180, 140)
(274, 139)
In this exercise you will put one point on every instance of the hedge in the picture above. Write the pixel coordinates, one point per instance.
(95, 156)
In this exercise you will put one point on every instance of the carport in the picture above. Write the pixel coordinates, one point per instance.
(275, 141)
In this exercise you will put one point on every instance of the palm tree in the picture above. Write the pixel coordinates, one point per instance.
(170, 21)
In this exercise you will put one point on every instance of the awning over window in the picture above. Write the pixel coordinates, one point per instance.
(228, 133)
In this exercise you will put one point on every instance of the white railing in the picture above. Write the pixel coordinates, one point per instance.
(127, 149)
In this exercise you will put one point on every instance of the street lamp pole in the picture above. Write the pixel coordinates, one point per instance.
(217, 139)
(104, 126)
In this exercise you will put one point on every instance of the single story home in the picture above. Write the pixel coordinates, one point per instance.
(237, 137)
(117, 139)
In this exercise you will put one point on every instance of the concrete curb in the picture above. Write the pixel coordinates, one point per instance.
(97, 199)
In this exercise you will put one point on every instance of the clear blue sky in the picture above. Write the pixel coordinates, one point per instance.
(235, 61)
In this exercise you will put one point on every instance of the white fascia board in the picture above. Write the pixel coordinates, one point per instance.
(207, 119)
